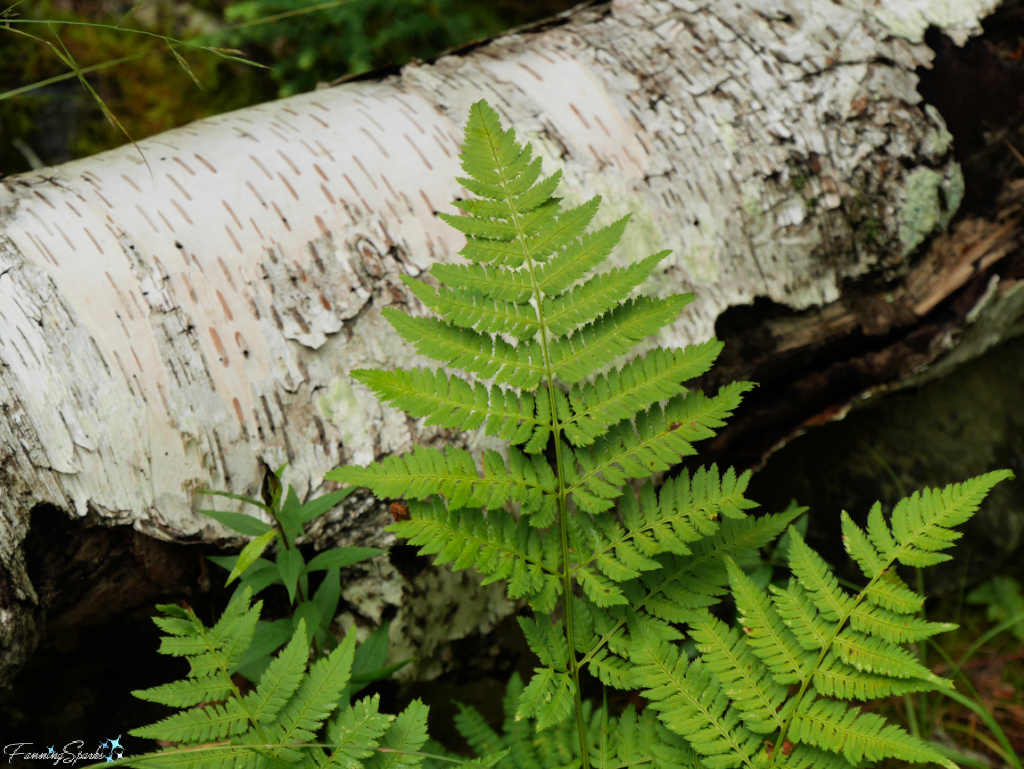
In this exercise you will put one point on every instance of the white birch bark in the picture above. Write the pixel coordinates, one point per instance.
(174, 313)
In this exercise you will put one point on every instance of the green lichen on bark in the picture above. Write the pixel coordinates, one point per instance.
(930, 201)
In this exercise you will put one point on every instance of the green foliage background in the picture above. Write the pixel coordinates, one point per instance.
(298, 43)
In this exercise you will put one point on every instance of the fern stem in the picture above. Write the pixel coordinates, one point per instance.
(567, 571)
(556, 432)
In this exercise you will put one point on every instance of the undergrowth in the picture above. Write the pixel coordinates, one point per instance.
(626, 581)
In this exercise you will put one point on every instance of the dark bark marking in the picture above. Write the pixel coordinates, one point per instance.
(286, 184)
(219, 346)
(291, 165)
(255, 160)
(224, 306)
(177, 160)
(181, 211)
(418, 152)
(365, 172)
(146, 217)
(94, 242)
(203, 160)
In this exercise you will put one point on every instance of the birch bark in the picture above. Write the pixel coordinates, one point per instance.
(173, 314)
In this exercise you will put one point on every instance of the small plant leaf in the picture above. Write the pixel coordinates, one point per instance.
(251, 552)
(240, 522)
(340, 557)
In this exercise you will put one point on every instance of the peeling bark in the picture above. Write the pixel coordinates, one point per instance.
(171, 319)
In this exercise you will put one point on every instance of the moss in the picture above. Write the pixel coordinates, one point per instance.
(871, 230)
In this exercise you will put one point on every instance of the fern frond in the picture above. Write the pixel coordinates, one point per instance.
(683, 512)
(897, 628)
(450, 402)
(876, 655)
(834, 678)
(281, 678)
(890, 592)
(565, 229)
(315, 699)
(494, 282)
(548, 697)
(471, 309)
(690, 702)
(275, 723)
(621, 393)
(538, 330)
(833, 726)
(818, 580)
(695, 581)
(578, 258)
(659, 439)
(496, 545)
(594, 347)
(547, 640)
(475, 730)
(478, 353)
(809, 757)
(630, 740)
(767, 635)
(587, 301)
(745, 681)
(199, 725)
(405, 735)
(799, 613)
(425, 471)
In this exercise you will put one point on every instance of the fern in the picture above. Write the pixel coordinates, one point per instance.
(277, 724)
(629, 740)
(617, 579)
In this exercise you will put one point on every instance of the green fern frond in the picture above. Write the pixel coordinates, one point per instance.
(490, 281)
(280, 679)
(692, 582)
(798, 613)
(579, 258)
(833, 726)
(817, 580)
(450, 402)
(683, 512)
(478, 353)
(425, 472)
(278, 723)
(357, 730)
(657, 441)
(628, 741)
(470, 309)
(768, 636)
(405, 735)
(747, 683)
(830, 644)
(539, 332)
(621, 393)
(548, 697)
(690, 702)
(615, 333)
(596, 296)
(498, 546)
